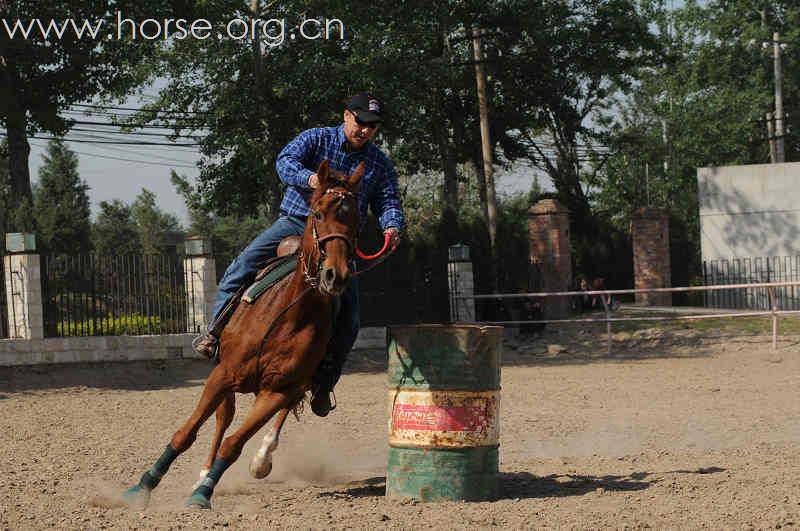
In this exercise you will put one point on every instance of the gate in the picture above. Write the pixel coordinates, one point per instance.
(93, 295)
(752, 270)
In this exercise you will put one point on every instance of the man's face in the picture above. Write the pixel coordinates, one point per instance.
(357, 134)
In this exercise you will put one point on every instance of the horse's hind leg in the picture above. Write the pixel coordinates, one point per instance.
(216, 389)
(266, 405)
(261, 465)
(224, 417)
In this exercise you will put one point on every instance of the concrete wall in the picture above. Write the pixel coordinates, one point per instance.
(749, 211)
(126, 348)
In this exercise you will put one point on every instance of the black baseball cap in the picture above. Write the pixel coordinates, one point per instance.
(366, 107)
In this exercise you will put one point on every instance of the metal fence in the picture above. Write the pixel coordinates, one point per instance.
(93, 295)
(748, 271)
(3, 305)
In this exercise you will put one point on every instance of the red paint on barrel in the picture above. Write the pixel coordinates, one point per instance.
(425, 417)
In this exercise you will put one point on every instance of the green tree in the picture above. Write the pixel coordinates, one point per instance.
(702, 105)
(158, 231)
(42, 76)
(114, 232)
(61, 203)
(229, 234)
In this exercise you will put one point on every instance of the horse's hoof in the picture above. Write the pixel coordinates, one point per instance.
(137, 497)
(260, 470)
(199, 501)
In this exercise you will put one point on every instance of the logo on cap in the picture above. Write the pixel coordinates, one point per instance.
(374, 105)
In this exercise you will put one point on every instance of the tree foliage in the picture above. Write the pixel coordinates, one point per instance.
(114, 232)
(40, 76)
(158, 231)
(61, 203)
(703, 104)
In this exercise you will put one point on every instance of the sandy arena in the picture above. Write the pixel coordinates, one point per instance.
(675, 430)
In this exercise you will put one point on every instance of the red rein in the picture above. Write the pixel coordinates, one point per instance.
(363, 256)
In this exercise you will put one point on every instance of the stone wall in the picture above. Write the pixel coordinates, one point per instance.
(126, 348)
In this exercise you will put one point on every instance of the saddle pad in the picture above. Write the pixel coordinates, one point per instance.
(281, 268)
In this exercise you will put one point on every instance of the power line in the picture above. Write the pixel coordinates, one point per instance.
(133, 151)
(137, 126)
(134, 143)
(162, 135)
(109, 157)
(111, 107)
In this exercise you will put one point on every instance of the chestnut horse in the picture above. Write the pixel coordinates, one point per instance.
(273, 346)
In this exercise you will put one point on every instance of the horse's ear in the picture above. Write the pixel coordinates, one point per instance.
(323, 172)
(355, 180)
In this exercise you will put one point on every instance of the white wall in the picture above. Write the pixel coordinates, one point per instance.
(749, 211)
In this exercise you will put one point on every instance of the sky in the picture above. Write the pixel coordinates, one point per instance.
(121, 171)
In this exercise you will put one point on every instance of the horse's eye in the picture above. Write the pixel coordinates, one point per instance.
(318, 215)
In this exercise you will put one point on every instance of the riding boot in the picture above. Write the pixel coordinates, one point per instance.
(207, 344)
(322, 388)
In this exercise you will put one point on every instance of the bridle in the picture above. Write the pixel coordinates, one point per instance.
(311, 275)
(313, 280)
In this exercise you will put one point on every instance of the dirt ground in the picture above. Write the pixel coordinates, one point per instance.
(674, 430)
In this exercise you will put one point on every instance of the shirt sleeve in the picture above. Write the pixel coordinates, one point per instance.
(294, 159)
(386, 203)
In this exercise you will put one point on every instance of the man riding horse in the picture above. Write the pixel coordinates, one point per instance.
(345, 146)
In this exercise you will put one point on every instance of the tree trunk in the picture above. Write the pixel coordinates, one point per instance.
(450, 169)
(18, 148)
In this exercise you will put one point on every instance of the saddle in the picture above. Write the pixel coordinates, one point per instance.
(275, 269)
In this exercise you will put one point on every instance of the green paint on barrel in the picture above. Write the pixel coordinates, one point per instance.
(439, 447)
(445, 357)
(443, 475)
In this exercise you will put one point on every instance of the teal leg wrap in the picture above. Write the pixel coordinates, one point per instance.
(202, 494)
(152, 477)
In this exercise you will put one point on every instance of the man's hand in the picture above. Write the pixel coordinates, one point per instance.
(313, 181)
(394, 237)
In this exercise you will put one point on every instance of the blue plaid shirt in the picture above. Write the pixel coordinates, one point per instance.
(302, 156)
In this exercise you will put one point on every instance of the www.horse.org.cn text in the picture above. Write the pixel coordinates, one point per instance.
(272, 32)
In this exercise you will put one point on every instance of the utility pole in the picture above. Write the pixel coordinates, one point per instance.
(486, 145)
(771, 137)
(779, 117)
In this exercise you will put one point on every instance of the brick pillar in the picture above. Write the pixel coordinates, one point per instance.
(460, 282)
(548, 232)
(23, 287)
(200, 278)
(651, 268)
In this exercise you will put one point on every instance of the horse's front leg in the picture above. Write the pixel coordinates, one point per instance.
(217, 387)
(267, 404)
(224, 417)
(261, 465)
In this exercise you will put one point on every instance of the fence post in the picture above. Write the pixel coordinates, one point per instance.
(200, 278)
(651, 258)
(460, 282)
(23, 287)
(550, 250)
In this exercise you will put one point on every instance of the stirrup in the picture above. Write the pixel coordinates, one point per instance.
(211, 350)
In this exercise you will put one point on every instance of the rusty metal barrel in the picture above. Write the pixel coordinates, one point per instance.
(444, 412)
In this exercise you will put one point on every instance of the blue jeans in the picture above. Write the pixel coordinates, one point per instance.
(243, 270)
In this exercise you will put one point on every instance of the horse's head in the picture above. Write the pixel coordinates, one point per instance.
(330, 237)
